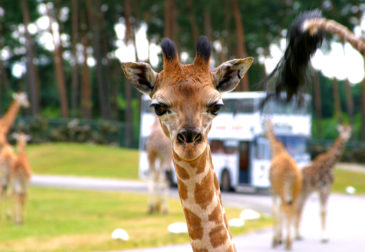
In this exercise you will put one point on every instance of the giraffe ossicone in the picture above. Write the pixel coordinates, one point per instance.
(186, 98)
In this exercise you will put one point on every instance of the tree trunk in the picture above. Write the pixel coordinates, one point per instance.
(58, 64)
(317, 101)
(85, 81)
(128, 22)
(4, 81)
(33, 83)
(208, 24)
(75, 76)
(94, 17)
(349, 102)
(194, 28)
(167, 32)
(115, 75)
(337, 102)
(241, 48)
(363, 110)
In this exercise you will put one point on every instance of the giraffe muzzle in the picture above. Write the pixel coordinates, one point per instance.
(189, 135)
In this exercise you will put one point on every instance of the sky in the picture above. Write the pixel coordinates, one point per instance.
(341, 61)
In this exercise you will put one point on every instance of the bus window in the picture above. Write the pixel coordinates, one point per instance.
(230, 147)
(217, 146)
(242, 106)
(262, 150)
(296, 146)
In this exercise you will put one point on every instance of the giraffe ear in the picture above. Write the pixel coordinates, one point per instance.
(228, 74)
(141, 75)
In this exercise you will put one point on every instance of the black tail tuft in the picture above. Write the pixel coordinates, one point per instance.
(292, 67)
(168, 49)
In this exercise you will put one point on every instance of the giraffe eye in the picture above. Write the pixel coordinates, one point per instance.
(214, 108)
(160, 108)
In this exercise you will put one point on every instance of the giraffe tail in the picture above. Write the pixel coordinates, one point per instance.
(290, 72)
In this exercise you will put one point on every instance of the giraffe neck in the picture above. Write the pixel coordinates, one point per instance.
(275, 145)
(335, 152)
(331, 26)
(200, 197)
(8, 119)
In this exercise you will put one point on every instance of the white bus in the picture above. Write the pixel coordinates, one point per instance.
(240, 153)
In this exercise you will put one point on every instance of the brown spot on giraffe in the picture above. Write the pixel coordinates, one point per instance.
(199, 163)
(194, 225)
(183, 190)
(200, 250)
(181, 172)
(218, 236)
(216, 214)
(203, 192)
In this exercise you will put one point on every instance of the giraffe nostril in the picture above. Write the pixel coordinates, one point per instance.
(197, 138)
(181, 138)
(189, 135)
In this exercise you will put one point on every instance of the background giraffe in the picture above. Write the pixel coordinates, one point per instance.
(159, 154)
(7, 155)
(20, 100)
(286, 182)
(19, 178)
(318, 177)
(186, 98)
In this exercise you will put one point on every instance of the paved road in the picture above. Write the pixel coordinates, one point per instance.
(258, 202)
(346, 224)
(346, 216)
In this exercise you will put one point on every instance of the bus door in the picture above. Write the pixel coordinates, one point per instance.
(244, 163)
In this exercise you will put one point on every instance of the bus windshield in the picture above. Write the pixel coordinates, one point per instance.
(240, 106)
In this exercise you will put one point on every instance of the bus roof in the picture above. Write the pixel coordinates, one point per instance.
(239, 95)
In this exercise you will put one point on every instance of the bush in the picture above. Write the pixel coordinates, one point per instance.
(81, 131)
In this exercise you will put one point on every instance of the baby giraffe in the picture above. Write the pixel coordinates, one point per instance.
(318, 177)
(7, 158)
(286, 182)
(19, 179)
(159, 153)
(186, 98)
(6, 151)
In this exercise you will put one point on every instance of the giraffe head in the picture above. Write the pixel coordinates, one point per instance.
(22, 98)
(344, 131)
(21, 138)
(186, 98)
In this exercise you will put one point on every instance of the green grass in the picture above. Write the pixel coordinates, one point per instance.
(73, 220)
(83, 160)
(344, 178)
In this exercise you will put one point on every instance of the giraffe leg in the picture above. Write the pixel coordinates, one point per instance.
(1, 199)
(9, 202)
(298, 217)
(151, 192)
(288, 212)
(165, 195)
(16, 208)
(151, 185)
(22, 200)
(277, 228)
(323, 200)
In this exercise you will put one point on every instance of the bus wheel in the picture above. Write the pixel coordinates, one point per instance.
(225, 181)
